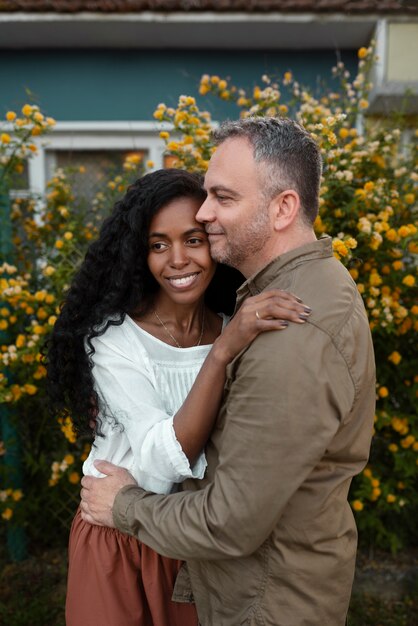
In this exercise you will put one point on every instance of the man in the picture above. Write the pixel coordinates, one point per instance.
(268, 535)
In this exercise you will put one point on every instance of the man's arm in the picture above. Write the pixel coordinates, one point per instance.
(283, 409)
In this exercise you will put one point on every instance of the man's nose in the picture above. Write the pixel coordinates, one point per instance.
(206, 212)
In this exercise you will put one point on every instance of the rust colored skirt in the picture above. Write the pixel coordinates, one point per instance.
(114, 580)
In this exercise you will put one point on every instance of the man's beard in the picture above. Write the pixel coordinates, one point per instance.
(245, 241)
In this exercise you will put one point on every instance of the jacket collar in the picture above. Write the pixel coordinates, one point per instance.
(319, 249)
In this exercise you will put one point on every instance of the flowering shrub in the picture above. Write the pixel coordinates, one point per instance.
(367, 204)
(49, 237)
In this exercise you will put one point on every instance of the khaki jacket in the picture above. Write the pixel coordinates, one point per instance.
(268, 535)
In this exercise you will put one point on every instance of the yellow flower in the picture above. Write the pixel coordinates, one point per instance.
(69, 459)
(343, 133)
(41, 314)
(375, 482)
(74, 478)
(363, 104)
(203, 89)
(409, 280)
(52, 319)
(49, 270)
(403, 231)
(393, 447)
(354, 273)
(383, 392)
(40, 372)
(408, 441)
(20, 341)
(10, 116)
(68, 235)
(397, 265)
(375, 279)
(27, 110)
(50, 121)
(395, 357)
(362, 53)
(357, 505)
(158, 115)
(392, 235)
(17, 495)
(375, 494)
(214, 79)
(30, 389)
(390, 498)
(164, 134)
(283, 109)
(5, 138)
(369, 185)
(367, 472)
(150, 164)
(3, 324)
(59, 244)
(409, 198)
(7, 513)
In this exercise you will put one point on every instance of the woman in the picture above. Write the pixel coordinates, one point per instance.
(140, 350)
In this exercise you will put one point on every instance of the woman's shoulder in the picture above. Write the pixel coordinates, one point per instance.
(119, 338)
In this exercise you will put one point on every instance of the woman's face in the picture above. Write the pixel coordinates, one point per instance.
(179, 254)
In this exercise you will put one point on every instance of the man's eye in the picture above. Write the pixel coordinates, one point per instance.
(194, 241)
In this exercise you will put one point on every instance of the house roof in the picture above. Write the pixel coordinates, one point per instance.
(351, 7)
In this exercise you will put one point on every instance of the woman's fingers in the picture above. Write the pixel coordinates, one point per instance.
(276, 304)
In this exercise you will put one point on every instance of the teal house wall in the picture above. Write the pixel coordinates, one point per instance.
(106, 85)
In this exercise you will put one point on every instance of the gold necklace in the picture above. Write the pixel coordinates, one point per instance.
(172, 336)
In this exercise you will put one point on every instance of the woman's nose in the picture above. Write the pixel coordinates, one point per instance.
(179, 257)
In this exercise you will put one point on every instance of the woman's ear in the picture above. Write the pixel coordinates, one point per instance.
(285, 209)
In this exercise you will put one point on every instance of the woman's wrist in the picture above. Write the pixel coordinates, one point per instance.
(219, 352)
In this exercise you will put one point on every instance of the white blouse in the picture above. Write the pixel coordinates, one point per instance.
(142, 382)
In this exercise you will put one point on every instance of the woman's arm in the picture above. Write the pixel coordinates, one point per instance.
(270, 310)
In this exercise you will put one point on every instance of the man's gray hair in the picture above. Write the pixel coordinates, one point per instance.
(290, 157)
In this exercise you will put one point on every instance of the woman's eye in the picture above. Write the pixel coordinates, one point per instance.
(158, 246)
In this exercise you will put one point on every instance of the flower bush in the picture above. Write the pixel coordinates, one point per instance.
(49, 236)
(368, 206)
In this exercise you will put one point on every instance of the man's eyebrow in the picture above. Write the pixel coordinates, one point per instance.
(196, 229)
(221, 188)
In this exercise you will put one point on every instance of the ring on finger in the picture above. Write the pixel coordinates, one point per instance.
(257, 315)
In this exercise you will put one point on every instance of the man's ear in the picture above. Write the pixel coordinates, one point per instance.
(285, 209)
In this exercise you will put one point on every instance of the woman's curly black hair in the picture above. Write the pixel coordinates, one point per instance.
(114, 280)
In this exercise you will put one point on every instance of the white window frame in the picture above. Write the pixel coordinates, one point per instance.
(104, 136)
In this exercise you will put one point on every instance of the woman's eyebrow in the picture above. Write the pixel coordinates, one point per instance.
(197, 229)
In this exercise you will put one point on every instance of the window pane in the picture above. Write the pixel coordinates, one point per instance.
(98, 166)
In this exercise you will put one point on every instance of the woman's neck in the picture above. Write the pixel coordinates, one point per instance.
(184, 317)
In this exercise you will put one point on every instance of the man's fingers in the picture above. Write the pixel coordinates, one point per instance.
(88, 518)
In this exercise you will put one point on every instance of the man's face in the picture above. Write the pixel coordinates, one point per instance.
(235, 213)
